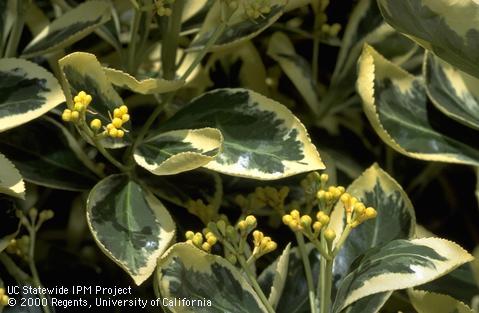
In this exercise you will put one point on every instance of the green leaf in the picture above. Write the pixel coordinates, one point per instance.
(298, 70)
(179, 151)
(429, 302)
(262, 138)
(129, 224)
(199, 184)
(217, 286)
(143, 86)
(27, 91)
(82, 72)
(240, 28)
(43, 156)
(395, 216)
(9, 222)
(452, 91)
(11, 182)
(395, 220)
(69, 28)
(395, 103)
(7, 16)
(398, 265)
(449, 28)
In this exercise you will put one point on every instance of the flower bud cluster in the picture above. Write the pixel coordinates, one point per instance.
(81, 102)
(205, 212)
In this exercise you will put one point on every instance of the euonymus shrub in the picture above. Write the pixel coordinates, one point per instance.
(69, 120)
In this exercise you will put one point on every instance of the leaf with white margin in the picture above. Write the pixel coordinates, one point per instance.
(430, 302)
(262, 138)
(27, 91)
(449, 28)
(273, 278)
(129, 224)
(179, 151)
(69, 28)
(452, 91)
(188, 272)
(144, 86)
(11, 182)
(294, 297)
(395, 220)
(395, 102)
(43, 155)
(240, 27)
(83, 72)
(399, 264)
(298, 70)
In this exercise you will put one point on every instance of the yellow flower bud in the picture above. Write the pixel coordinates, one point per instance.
(75, 115)
(124, 109)
(67, 115)
(250, 221)
(294, 214)
(77, 99)
(125, 118)
(117, 113)
(95, 124)
(341, 189)
(345, 198)
(242, 225)
(4, 300)
(258, 237)
(329, 234)
(82, 94)
(294, 225)
(306, 221)
(324, 178)
(120, 134)
(270, 246)
(320, 194)
(189, 235)
(370, 213)
(117, 122)
(206, 246)
(110, 126)
(113, 132)
(2, 292)
(359, 208)
(328, 196)
(317, 226)
(211, 240)
(287, 219)
(197, 239)
(322, 218)
(88, 99)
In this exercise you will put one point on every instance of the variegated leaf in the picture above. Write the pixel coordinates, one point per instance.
(199, 184)
(9, 222)
(262, 138)
(429, 302)
(82, 72)
(240, 27)
(129, 224)
(281, 49)
(27, 91)
(399, 264)
(449, 28)
(294, 297)
(143, 86)
(43, 156)
(452, 91)
(188, 272)
(179, 151)
(395, 220)
(395, 103)
(69, 28)
(11, 182)
(273, 278)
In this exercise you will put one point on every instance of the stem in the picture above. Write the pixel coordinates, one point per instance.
(307, 272)
(33, 268)
(16, 272)
(132, 46)
(170, 41)
(159, 108)
(347, 230)
(326, 284)
(316, 42)
(255, 284)
(14, 40)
